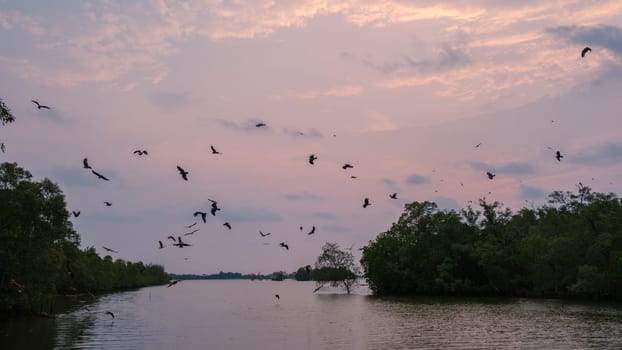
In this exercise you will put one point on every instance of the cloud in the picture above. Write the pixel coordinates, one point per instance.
(335, 228)
(311, 133)
(305, 196)
(446, 203)
(517, 168)
(248, 214)
(415, 179)
(531, 192)
(337, 91)
(50, 115)
(248, 125)
(170, 100)
(392, 185)
(324, 215)
(607, 36)
(604, 155)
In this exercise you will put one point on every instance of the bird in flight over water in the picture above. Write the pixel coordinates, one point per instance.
(108, 204)
(39, 106)
(76, 213)
(259, 125)
(558, 156)
(141, 152)
(490, 175)
(214, 151)
(366, 203)
(393, 195)
(227, 225)
(585, 51)
(190, 226)
(161, 244)
(347, 166)
(312, 231)
(282, 244)
(109, 313)
(85, 164)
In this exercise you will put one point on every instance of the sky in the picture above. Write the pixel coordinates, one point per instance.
(402, 90)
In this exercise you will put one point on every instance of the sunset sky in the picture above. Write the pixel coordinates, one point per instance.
(402, 90)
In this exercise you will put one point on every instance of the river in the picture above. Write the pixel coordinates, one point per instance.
(247, 315)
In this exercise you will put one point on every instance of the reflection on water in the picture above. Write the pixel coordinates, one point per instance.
(245, 314)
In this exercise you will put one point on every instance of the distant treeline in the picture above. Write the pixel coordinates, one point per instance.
(570, 247)
(279, 275)
(39, 250)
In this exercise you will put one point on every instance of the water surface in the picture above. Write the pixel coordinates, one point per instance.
(247, 315)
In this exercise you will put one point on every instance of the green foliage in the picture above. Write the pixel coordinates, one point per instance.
(336, 267)
(5, 114)
(39, 255)
(572, 246)
(302, 274)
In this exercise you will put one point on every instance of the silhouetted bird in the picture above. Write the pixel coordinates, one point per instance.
(161, 244)
(141, 152)
(318, 288)
(353, 177)
(558, 156)
(214, 151)
(282, 244)
(227, 225)
(308, 268)
(393, 195)
(85, 164)
(107, 204)
(173, 238)
(2, 147)
(99, 175)
(346, 166)
(39, 106)
(300, 228)
(202, 213)
(366, 203)
(109, 313)
(312, 159)
(585, 51)
(190, 226)
(172, 283)
(76, 213)
(277, 296)
(264, 234)
(479, 144)
(190, 233)
(312, 231)
(259, 125)
(109, 250)
(215, 207)
(183, 173)
(490, 175)
(181, 243)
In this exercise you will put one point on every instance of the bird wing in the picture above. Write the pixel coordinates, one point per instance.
(213, 149)
(35, 102)
(85, 162)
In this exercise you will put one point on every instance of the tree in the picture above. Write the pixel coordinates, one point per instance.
(335, 266)
(5, 117)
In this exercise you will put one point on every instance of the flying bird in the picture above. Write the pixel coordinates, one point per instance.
(312, 159)
(259, 125)
(76, 213)
(202, 213)
(393, 195)
(85, 164)
(108, 204)
(318, 288)
(215, 207)
(490, 175)
(214, 151)
(100, 176)
(264, 234)
(181, 243)
(585, 51)
(190, 226)
(109, 250)
(39, 106)
(2, 147)
(558, 156)
(366, 203)
(282, 244)
(183, 173)
(161, 244)
(173, 238)
(312, 231)
(190, 233)
(227, 225)
(141, 152)
(346, 166)
(277, 296)
(172, 283)
(353, 177)
(109, 313)
(479, 144)
(300, 228)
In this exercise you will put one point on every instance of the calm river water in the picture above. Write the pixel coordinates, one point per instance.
(246, 315)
